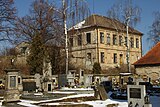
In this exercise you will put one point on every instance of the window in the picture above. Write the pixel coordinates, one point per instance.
(108, 39)
(79, 40)
(137, 43)
(132, 43)
(23, 50)
(71, 41)
(54, 80)
(120, 40)
(125, 41)
(19, 80)
(88, 56)
(88, 38)
(121, 59)
(102, 57)
(101, 37)
(114, 58)
(114, 40)
(82, 73)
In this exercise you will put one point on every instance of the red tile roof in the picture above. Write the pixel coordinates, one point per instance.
(151, 58)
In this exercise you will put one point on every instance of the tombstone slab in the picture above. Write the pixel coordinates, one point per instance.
(136, 96)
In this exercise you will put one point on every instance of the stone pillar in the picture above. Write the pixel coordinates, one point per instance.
(11, 86)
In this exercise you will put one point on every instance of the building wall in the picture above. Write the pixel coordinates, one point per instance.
(152, 72)
(99, 48)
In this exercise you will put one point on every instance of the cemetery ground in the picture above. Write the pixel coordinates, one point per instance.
(71, 97)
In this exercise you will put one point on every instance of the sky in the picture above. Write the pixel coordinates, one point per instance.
(101, 7)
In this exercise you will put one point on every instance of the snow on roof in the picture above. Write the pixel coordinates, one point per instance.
(77, 26)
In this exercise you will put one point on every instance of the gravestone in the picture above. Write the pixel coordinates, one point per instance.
(137, 96)
(100, 92)
(62, 80)
(11, 86)
(12, 83)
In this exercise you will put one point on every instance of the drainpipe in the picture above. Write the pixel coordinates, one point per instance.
(97, 46)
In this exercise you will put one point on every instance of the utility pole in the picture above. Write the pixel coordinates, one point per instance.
(128, 53)
(65, 32)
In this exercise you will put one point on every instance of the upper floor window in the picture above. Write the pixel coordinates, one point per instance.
(132, 43)
(88, 38)
(114, 40)
(137, 43)
(120, 40)
(125, 41)
(23, 50)
(102, 57)
(108, 39)
(88, 56)
(101, 37)
(79, 40)
(114, 58)
(71, 41)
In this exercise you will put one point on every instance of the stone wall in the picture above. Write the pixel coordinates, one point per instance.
(152, 72)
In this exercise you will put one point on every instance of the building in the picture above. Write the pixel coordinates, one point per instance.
(101, 39)
(149, 65)
(22, 50)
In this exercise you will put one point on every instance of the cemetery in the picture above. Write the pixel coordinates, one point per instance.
(32, 91)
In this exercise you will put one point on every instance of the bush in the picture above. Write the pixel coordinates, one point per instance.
(96, 68)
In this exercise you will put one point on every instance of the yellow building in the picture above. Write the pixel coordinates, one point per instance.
(101, 39)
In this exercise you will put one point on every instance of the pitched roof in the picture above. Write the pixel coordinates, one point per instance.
(103, 21)
(151, 58)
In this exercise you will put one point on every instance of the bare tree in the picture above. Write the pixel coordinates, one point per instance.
(7, 17)
(77, 10)
(8, 52)
(42, 20)
(123, 10)
(154, 33)
(128, 14)
(73, 11)
(42, 26)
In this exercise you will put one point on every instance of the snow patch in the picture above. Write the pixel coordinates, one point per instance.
(79, 25)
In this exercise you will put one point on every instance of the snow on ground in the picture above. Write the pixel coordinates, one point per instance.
(100, 103)
(76, 89)
(38, 94)
(71, 96)
(27, 103)
(97, 103)
(59, 92)
(155, 100)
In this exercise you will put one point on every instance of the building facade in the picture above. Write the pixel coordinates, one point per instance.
(148, 66)
(101, 39)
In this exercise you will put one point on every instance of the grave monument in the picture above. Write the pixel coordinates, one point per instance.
(137, 96)
(12, 93)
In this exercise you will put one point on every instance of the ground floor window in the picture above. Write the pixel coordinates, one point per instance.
(102, 57)
(114, 58)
